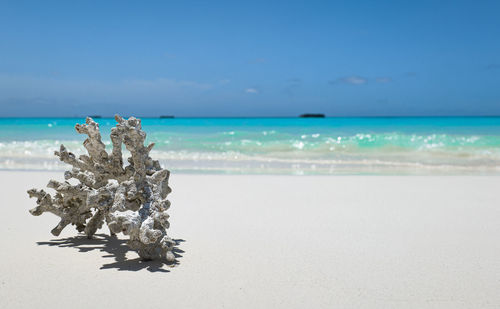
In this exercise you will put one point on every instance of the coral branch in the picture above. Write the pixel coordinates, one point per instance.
(132, 200)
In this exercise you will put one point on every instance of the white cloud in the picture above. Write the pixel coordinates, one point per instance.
(354, 80)
(162, 83)
(15, 86)
(34, 96)
(251, 90)
(359, 80)
(383, 79)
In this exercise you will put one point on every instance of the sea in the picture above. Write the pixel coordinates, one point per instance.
(284, 146)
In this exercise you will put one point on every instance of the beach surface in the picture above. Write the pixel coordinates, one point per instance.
(270, 242)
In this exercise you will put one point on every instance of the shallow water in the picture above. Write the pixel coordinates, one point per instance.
(414, 145)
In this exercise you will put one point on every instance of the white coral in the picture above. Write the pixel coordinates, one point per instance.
(130, 199)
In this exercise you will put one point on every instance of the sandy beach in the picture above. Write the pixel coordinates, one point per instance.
(270, 242)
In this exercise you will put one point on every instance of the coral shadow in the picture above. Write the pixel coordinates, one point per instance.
(117, 249)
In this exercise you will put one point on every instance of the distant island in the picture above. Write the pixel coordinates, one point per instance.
(312, 116)
(166, 116)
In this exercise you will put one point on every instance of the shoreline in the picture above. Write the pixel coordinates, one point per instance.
(218, 171)
(347, 146)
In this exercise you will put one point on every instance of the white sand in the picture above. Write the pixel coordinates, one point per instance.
(272, 242)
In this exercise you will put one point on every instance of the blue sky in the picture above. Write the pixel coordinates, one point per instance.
(252, 58)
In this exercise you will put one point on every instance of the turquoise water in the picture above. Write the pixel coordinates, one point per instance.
(420, 145)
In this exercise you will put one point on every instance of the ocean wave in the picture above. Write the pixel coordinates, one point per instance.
(270, 151)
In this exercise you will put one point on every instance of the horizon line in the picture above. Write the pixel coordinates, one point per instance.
(250, 117)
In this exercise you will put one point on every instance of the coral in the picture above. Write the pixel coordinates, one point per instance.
(130, 199)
